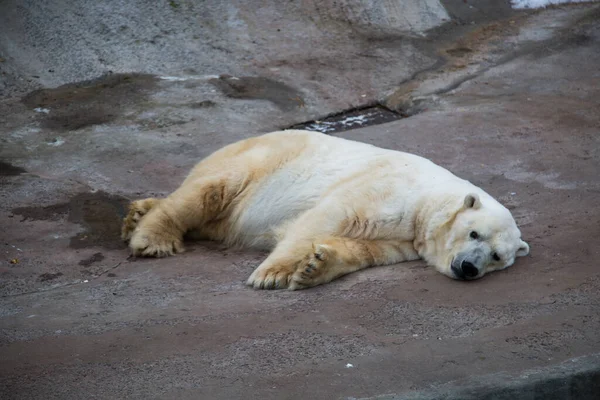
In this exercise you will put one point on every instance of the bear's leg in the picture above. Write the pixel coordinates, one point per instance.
(302, 264)
(160, 232)
(337, 256)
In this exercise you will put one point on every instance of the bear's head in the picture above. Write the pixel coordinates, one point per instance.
(477, 239)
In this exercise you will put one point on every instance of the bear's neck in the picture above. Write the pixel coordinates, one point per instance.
(432, 225)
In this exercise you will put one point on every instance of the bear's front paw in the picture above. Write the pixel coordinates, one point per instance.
(148, 244)
(271, 277)
(137, 209)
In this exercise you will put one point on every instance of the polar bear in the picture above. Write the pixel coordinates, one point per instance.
(326, 207)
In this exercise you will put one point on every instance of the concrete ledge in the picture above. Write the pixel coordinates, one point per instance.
(575, 379)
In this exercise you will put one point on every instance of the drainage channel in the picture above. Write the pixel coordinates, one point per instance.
(350, 119)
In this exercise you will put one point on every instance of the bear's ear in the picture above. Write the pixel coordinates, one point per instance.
(523, 249)
(472, 201)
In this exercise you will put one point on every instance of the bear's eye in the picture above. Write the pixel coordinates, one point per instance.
(474, 235)
(496, 257)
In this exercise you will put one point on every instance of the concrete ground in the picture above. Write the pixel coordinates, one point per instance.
(512, 104)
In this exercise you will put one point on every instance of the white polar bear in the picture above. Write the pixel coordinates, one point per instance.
(327, 207)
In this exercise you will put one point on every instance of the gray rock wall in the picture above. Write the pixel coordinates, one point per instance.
(46, 43)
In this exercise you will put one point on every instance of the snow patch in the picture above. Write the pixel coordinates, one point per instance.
(543, 3)
(57, 142)
(190, 78)
(173, 78)
(348, 122)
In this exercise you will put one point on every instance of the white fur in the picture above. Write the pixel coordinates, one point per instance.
(329, 202)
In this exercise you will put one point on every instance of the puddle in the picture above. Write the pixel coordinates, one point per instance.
(96, 257)
(203, 104)
(99, 213)
(7, 169)
(259, 88)
(344, 121)
(459, 51)
(94, 102)
(48, 276)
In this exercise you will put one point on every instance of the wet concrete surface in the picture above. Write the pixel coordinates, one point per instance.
(79, 318)
(7, 169)
(258, 88)
(99, 213)
(94, 102)
(350, 119)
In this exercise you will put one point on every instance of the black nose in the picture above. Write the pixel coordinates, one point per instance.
(468, 269)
